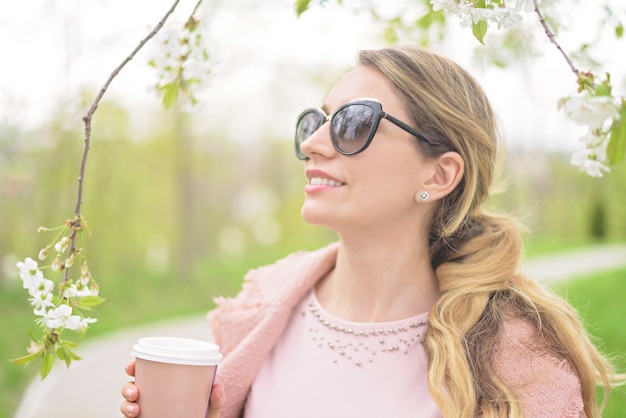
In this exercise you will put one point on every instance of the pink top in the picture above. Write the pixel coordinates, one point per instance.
(251, 327)
(323, 366)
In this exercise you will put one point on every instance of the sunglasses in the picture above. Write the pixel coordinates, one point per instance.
(352, 126)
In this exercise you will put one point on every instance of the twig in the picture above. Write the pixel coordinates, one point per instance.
(552, 38)
(88, 116)
(76, 223)
(195, 9)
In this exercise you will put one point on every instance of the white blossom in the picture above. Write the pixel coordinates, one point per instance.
(184, 57)
(479, 14)
(587, 160)
(29, 273)
(593, 111)
(84, 323)
(44, 287)
(41, 303)
(507, 19)
(503, 15)
(590, 139)
(448, 6)
(61, 317)
(28, 266)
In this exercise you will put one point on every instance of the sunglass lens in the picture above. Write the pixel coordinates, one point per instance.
(308, 122)
(351, 127)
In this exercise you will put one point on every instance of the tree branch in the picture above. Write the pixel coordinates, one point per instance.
(195, 9)
(92, 109)
(552, 38)
(76, 223)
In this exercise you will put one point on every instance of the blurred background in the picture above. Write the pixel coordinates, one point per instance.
(182, 204)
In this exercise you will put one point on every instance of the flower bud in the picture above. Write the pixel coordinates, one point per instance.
(43, 253)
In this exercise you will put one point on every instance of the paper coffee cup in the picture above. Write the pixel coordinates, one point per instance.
(174, 376)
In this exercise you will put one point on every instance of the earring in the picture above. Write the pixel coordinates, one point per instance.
(423, 195)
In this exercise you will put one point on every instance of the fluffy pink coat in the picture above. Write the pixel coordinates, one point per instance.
(247, 327)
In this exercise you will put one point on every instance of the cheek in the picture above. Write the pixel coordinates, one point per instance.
(390, 184)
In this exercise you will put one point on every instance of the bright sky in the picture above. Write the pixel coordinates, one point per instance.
(267, 57)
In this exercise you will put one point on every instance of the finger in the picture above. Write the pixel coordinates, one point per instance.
(216, 403)
(130, 392)
(130, 368)
(130, 409)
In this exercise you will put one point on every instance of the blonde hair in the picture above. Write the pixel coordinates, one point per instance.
(475, 254)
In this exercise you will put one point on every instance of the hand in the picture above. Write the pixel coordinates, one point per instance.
(216, 403)
(130, 392)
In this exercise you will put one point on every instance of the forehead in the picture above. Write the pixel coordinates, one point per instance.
(363, 82)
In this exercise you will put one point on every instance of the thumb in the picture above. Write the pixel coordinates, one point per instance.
(217, 401)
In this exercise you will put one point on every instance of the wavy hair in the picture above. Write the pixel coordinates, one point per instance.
(476, 254)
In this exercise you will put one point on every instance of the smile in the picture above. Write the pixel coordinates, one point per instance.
(320, 181)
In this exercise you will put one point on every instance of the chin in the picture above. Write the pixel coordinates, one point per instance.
(318, 218)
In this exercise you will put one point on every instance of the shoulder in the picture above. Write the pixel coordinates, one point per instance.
(278, 281)
(268, 291)
(546, 384)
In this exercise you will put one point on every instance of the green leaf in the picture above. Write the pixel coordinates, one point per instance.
(427, 20)
(62, 355)
(69, 353)
(480, 30)
(302, 6)
(170, 94)
(90, 301)
(59, 351)
(46, 365)
(619, 30)
(70, 344)
(65, 354)
(617, 141)
(603, 88)
(25, 359)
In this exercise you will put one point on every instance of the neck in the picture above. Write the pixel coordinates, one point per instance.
(377, 281)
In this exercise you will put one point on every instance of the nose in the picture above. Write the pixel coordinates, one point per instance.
(319, 143)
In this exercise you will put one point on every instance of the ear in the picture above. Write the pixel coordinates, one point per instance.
(447, 173)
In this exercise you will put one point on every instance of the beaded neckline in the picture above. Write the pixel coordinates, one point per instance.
(362, 342)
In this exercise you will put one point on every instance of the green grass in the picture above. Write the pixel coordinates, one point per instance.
(541, 245)
(599, 300)
(137, 300)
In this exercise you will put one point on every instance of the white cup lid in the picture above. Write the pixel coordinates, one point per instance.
(178, 351)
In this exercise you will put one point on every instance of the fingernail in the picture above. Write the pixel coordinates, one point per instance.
(130, 409)
(129, 392)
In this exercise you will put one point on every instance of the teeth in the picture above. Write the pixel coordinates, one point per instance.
(319, 181)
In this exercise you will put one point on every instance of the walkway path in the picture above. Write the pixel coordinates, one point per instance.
(91, 387)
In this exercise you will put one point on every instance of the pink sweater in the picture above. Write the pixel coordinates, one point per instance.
(247, 327)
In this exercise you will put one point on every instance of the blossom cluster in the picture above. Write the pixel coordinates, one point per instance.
(183, 63)
(60, 315)
(504, 13)
(598, 114)
(57, 300)
(595, 107)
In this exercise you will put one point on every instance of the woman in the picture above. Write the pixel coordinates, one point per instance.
(420, 308)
